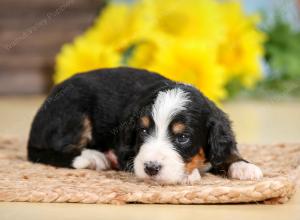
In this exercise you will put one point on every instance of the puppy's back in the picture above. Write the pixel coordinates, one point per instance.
(98, 96)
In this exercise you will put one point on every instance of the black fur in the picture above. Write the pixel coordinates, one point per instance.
(114, 100)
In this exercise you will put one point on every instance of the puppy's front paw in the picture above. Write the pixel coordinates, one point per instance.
(191, 178)
(244, 171)
(91, 159)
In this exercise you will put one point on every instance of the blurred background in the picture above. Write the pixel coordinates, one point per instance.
(244, 55)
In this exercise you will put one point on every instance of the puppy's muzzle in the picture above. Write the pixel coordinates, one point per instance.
(152, 168)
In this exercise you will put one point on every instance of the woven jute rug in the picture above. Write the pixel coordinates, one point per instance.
(21, 180)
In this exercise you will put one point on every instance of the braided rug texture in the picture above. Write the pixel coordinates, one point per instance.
(21, 180)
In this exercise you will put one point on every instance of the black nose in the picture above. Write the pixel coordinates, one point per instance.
(152, 168)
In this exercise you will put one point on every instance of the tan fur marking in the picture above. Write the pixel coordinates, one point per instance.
(196, 162)
(178, 128)
(86, 135)
(145, 121)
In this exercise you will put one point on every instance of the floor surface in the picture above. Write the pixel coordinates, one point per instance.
(253, 122)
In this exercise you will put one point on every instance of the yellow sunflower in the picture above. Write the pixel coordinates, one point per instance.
(242, 49)
(192, 63)
(81, 56)
(206, 43)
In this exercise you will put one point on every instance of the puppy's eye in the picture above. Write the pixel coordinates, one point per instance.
(183, 139)
(144, 131)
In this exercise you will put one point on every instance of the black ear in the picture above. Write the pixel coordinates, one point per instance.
(127, 131)
(126, 138)
(221, 150)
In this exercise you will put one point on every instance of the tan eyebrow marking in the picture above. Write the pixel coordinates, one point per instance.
(178, 128)
(196, 162)
(145, 121)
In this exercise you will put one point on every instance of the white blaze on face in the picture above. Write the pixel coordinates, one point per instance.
(158, 147)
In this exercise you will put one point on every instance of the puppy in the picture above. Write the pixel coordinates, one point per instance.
(136, 121)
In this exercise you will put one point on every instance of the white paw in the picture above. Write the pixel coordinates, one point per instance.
(244, 171)
(193, 177)
(91, 159)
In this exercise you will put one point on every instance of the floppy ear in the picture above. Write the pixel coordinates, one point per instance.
(127, 146)
(127, 133)
(221, 148)
(126, 138)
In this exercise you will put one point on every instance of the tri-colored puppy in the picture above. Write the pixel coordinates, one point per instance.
(137, 121)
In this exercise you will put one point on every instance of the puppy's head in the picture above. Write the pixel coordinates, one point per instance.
(171, 135)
